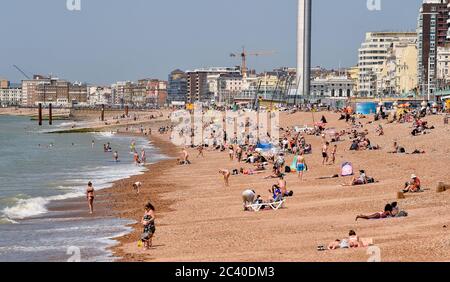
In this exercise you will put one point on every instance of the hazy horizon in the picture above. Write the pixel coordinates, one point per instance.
(109, 41)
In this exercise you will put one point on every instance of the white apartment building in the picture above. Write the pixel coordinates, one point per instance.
(443, 66)
(99, 96)
(229, 86)
(11, 96)
(373, 54)
(339, 88)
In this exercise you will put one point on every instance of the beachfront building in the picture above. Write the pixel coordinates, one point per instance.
(29, 90)
(373, 54)
(177, 88)
(398, 74)
(433, 32)
(338, 88)
(10, 94)
(151, 92)
(4, 83)
(442, 67)
(229, 85)
(353, 74)
(99, 95)
(122, 93)
(61, 93)
(202, 83)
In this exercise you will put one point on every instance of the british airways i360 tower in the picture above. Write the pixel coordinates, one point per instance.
(304, 47)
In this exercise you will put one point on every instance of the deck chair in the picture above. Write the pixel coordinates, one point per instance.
(255, 207)
(276, 205)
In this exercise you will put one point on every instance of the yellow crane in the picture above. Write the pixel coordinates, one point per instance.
(244, 54)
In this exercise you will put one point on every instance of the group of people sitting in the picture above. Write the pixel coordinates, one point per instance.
(277, 193)
(420, 127)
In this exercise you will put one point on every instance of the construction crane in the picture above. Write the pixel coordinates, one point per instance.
(244, 54)
(21, 71)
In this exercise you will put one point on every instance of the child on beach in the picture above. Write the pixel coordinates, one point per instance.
(90, 195)
(148, 221)
(333, 155)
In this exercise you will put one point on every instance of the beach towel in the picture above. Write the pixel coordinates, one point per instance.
(294, 164)
(346, 169)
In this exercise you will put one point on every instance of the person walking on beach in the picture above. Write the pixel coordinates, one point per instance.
(200, 151)
(90, 195)
(148, 221)
(239, 153)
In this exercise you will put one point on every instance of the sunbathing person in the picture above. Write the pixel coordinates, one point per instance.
(351, 242)
(396, 212)
(413, 185)
(397, 149)
(387, 213)
(362, 179)
(250, 171)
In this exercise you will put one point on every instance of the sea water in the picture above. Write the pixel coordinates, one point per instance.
(38, 169)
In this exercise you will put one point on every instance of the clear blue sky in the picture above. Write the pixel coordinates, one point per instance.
(111, 40)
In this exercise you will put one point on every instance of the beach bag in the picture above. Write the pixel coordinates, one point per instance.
(287, 169)
(347, 169)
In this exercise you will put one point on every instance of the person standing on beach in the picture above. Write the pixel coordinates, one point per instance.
(325, 153)
(301, 165)
(90, 195)
(200, 151)
(239, 153)
(148, 221)
(333, 155)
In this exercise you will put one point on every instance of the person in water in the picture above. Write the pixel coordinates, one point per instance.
(148, 221)
(116, 156)
(143, 156)
(137, 161)
(90, 195)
